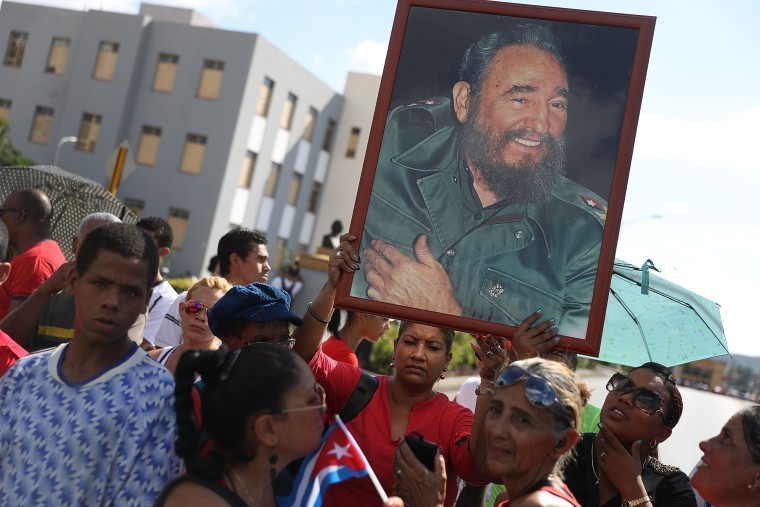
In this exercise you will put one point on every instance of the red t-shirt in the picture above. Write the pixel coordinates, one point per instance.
(439, 420)
(28, 270)
(338, 349)
(10, 352)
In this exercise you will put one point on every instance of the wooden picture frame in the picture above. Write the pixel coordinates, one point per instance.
(509, 196)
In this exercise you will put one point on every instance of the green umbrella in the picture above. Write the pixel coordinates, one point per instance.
(651, 319)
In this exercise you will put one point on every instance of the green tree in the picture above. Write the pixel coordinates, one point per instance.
(10, 155)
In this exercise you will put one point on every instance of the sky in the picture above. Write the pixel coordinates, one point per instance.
(691, 201)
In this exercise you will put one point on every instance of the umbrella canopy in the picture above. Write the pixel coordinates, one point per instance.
(73, 197)
(651, 319)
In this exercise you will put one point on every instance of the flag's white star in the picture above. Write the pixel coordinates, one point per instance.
(340, 451)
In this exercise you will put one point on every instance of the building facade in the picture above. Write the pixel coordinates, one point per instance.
(225, 130)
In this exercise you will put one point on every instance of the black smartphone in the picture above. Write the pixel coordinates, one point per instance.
(424, 451)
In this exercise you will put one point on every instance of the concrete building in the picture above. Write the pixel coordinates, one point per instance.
(225, 130)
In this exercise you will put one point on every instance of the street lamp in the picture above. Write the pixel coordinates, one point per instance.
(61, 142)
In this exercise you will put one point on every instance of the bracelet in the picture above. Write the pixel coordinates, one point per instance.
(634, 503)
(483, 391)
(314, 314)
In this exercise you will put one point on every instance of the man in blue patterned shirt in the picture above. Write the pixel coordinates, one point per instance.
(92, 421)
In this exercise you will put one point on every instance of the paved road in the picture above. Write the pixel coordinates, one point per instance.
(704, 415)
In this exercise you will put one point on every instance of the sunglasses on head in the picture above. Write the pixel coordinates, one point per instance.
(539, 391)
(644, 399)
(195, 307)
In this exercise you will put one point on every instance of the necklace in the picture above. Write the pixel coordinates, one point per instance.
(245, 488)
(593, 459)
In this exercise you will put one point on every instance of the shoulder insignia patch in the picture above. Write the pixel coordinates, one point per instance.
(601, 211)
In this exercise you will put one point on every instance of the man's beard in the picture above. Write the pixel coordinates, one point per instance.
(520, 183)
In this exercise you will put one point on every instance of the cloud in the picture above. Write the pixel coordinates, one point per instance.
(368, 56)
(728, 142)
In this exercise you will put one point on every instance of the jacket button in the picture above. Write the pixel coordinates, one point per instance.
(456, 180)
(478, 215)
(451, 252)
(519, 234)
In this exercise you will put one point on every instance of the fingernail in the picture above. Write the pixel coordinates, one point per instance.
(356, 265)
(599, 425)
(641, 442)
(355, 257)
(553, 319)
(540, 310)
(557, 339)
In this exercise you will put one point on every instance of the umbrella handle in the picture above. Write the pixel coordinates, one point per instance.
(645, 275)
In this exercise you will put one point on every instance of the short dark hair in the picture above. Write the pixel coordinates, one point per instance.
(3, 241)
(674, 402)
(159, 229)
(36, 204)
(448, 334)
(126, 240)
(750, 417)
(238, 384)
(480, 53)
(238, 241)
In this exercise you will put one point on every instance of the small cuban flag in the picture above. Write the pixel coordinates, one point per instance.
(337, 459)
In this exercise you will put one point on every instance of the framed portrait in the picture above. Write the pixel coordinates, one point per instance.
(497, 165)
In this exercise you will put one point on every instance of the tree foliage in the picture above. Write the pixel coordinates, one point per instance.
(10, 155)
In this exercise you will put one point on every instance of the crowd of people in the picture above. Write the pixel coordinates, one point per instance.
(97, 414)
(117, 391)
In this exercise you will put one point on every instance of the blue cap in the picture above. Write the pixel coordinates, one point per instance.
(257, 302)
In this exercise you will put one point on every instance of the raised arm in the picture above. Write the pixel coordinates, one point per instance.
(21, 322)
(309, 336)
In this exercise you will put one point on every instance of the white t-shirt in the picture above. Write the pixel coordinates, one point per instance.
(162, 298)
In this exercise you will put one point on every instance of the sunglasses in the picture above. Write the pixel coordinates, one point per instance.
(539, 391)
(288, 342)
(319, 402)
(193, 308)
(3, 211)
(644, 399)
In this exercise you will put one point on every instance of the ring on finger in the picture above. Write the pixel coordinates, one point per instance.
(489, 352)
(340, 248)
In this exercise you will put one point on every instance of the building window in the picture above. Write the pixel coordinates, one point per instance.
(295, 187)
(265, 97)
(136, 206)
(246, 172)
(147, 150)
(274, 177)
(89, 130)
(329, 133)
(311, 119)
(211, 79)
(286, 118)
(166, 71)
(353, 142)
(14, 54)
(192, 158)
(108, 53)
(316, 189)
(43, 120)
(5, 109)
(59, 55)
(178, 220)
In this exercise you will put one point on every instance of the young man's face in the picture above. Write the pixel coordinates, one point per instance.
(109, 296)
(253, 268)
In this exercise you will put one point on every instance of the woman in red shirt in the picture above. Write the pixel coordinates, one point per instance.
(358, 326)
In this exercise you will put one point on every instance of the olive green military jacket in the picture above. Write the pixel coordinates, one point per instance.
(504, 262)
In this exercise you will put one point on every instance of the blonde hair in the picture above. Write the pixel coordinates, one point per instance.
(212, 282)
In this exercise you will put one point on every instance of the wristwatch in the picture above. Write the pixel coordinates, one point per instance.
(483, 391)
(634, 503)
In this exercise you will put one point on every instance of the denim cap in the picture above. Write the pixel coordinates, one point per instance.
(257, 302)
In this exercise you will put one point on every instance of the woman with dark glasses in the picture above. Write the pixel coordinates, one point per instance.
(262, 408)
(531, 425)
(619, 465)
(193, 312)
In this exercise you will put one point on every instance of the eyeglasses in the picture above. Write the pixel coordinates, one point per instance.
(644, 399)
(318, 403)
(539, 391)
(3, 211)
(195, 307)
(288, 342)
